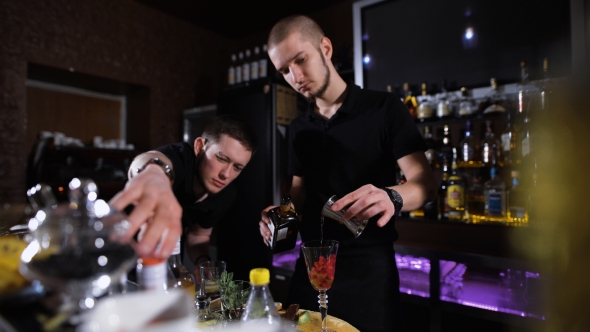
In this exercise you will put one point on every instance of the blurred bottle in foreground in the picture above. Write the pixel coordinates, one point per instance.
(183, 278)
(260, 307)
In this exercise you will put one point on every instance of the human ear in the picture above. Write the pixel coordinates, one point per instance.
(326, 47)
(198, 145)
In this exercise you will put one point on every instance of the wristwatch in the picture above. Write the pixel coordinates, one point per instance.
(156, 161)
(395, 198)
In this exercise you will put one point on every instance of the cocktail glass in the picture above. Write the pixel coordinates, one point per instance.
(79, 249)
(210, 274)
(320, 260)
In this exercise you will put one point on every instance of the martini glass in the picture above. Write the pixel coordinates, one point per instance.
(320, 260)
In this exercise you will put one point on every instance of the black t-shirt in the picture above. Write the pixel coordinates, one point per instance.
(359, 145)
(211, 209)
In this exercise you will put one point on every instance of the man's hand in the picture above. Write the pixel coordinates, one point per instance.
(264, 222)
(153, 198)
(366, 202)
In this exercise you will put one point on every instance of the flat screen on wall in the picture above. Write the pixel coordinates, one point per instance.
(463, 42)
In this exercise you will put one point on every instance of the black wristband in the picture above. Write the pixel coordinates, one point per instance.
(198, 258)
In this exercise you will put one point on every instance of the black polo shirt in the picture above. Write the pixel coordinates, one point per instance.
(212, 208)
(359, 145)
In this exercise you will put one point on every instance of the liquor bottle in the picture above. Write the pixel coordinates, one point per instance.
(446, 149)
(476, 201)
(546, 88)
(206, 319)
(431, 152)
(495, 198)
(154, 274)
(491, 148)
(443, 108)
(239, 70)
(517, 202)
(443, 207)
(410, 101)
(260, 307)
(246, 67)
(466, 107)
(469, 154)
(425, 111)
(456, 193)
(510, 144)
(183, 278)
(263, 63)
(284, 225)
(493, 102)
(254, 70)
(231, 73)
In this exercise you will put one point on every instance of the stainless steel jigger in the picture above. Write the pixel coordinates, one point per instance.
(353, 225)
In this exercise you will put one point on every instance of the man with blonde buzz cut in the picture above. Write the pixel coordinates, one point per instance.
(348, 143)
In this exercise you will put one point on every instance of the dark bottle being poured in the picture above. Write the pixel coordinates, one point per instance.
(284, 225)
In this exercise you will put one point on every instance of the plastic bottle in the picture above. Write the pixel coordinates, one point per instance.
(260, 308)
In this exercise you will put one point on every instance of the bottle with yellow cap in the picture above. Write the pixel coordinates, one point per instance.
(260, 308)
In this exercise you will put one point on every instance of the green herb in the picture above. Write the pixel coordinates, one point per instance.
(233, 295)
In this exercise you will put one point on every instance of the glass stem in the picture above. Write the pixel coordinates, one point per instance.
(324, 309)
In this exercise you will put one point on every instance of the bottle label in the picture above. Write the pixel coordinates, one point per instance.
(231, 76)
(455, 196)
(271, 226)
(239, 74)
(262, 68)
(506, 141)
(425, 111)
(254, 71)
(176, 250)
(282, 233)
(153, 277)
(442, 109)
(495, 204)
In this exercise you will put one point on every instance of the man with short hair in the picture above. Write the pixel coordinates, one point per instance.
(179, 186)
(348, 143)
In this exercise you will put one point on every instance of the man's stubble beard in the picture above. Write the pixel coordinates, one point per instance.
(324, 87)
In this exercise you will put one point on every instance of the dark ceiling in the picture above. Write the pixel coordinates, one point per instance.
(236, 18)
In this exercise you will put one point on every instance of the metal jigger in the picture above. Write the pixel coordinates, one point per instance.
(353, 225)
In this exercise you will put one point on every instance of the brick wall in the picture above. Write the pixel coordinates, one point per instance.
(120, 40)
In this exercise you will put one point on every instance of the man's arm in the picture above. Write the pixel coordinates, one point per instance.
(197, 246)
(369, 201)
(151, 193)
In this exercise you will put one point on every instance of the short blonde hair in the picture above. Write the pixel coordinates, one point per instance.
(308, 29)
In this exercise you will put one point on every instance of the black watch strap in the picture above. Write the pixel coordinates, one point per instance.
(395, 198)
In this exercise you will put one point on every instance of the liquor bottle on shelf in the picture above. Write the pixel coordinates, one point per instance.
(517, 202)
(469, 154)
(475, 196)
(510, 145)
(425, 111)
(466, 107)
(431, 144)
(410, 100)
(546, 88)
(443, 108)
(456, 193)
(231, 72)
(246, 67)
(446, 149)
(495, 198)
(491, 148)
(284, 226)
(493, 102)
(184, 279)
(263, 63)
(254, 70)
(443, 207)
(239, 70)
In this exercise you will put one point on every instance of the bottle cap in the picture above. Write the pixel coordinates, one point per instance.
(259, 276)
